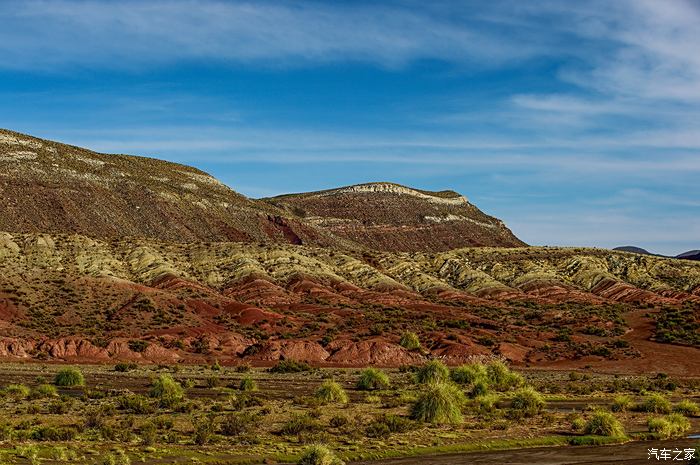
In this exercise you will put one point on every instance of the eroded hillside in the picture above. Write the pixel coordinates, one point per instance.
(390, 217)
(73, 297)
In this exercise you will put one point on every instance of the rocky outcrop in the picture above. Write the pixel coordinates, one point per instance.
(371, 352)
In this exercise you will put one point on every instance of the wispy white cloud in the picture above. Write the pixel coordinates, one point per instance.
(43, 33)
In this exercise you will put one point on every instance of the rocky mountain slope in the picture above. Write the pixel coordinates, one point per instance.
(386, 216)
(55, 188)
(71, 297)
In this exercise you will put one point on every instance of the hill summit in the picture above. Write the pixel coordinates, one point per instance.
(388, 216)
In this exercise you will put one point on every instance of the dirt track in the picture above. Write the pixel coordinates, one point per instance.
(630, 453)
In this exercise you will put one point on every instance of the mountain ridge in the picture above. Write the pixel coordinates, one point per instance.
(52, 187)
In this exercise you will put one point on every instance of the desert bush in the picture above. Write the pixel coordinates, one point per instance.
(578, 423)
(123, 367)
(469, 373)
(409, 340)
(338, 421)
(44, 391)
(204, 429)
(212, 382)
(527, 402)
(299, 423)
(319, 455)
(53, 433)
(480, 388)
(290, 366)
(687, 408)
(397, 423)
(135, 403)
(167, 391)
(118, 457)
(236, 424)
(372, 379)
(501, 377)
(17, 391)
(485, 404)
(439, 403)
(432, 372)
(604, 423)
(655, 403)
(248, 384)
(69, 377)
(621, 404)
(329, 391)
(671, 426)
(148, 433)
(377, 429)
(60, 407)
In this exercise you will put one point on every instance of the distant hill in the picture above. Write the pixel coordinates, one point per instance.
(633, 249)
(391, 217)
(690, 255)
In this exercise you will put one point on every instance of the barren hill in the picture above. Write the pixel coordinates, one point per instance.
(76, 298)
(56, 188)
(387, 216)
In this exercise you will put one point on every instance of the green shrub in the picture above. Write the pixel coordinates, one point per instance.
(53, 433)
(578, 424)
(604, 423)
(248, 384)
(329, 391)
(469, 373)
(377, 429)
(123, 367)
(203, 430)
(501, 377)
(672, 426)
(69, 377)
(17, 391)
(290, 366)
(319, 455)
(432, 372)
(167, 391)
(236, 424)
(527, 402)
(372, 379)
(398, 424)
(655, 403)
(43, 391)
(485, 404)
(480, 388)
(300, 424)
(621, 404)
(135, 403)
(439, 403)
(409, 340)
(687, 408)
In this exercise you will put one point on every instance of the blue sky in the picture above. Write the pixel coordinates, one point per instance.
(577, 123)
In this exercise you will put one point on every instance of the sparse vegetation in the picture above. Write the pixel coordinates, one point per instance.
(319, 455)
(410, 341)
(69, 377)
(440, 402)
(433, 371)
(329, 391)
(527, 402)
(372, 379)
(167, 391)
(604, 423)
